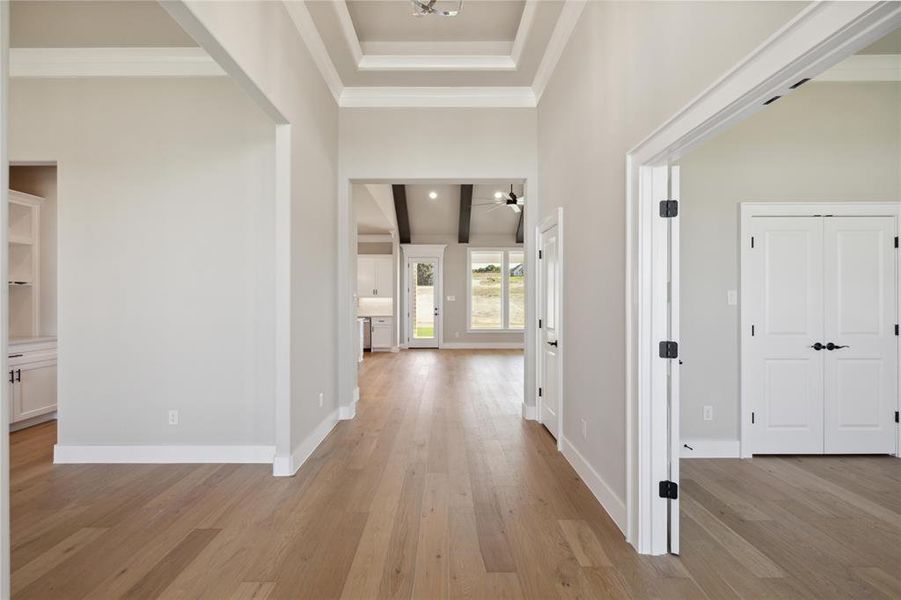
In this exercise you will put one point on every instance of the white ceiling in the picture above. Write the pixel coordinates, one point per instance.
(394, 21)
(437, 218)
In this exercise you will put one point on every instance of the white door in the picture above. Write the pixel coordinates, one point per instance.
(861, 354)
(785, 304)
(366, 276)
(548, 333)
(424, 290)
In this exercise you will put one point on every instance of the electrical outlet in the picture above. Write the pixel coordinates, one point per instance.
(708, 413)
(173, 417)
(321, 399)
(584, 429)
(732, 298)
(451, 298)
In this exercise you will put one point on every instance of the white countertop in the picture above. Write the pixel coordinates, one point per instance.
(37, 339)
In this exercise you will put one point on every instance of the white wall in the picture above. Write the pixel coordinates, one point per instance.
(259, 45)
(41, 181)
(165, 256)
(828, 142)
(402, 145)
(627, 68)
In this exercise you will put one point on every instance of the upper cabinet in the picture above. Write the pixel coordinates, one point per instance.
(24, 264)
(375, 276)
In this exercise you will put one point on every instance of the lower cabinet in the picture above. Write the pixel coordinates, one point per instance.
(33, 390)
(382, 333)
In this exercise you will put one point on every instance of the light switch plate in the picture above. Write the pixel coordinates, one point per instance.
(732, 297)
(451, 298)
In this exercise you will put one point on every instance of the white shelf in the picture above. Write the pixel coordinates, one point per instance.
(24, 264)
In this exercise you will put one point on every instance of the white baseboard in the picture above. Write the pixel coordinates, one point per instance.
(612, 503)
(482, 346)
(528, 412)
(710, 449)
(51, 416)
(346, 413)
(357, 394)
(65, 454)
(286, 466)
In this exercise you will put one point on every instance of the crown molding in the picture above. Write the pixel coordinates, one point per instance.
(865, 67)
(524, 30)
(371, 62)
(300, 16)
(563, 30)
(437, 97)
(112, 62)
(349, 31)
(433, 47)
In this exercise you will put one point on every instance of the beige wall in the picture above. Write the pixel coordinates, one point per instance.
(374, 248)
(41, 181)
(627, 68)
(166, 281)
(829, 142)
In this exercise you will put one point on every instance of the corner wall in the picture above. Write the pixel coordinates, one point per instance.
(627, 68)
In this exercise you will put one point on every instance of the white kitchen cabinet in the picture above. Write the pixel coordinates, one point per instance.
(375, 276)
(31, 381)
(382, 333)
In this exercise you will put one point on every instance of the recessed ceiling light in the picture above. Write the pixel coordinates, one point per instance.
(498, 195)
(433, 195)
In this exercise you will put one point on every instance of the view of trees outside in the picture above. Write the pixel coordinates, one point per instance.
(488, 290)
(517, 300)
(424, 307)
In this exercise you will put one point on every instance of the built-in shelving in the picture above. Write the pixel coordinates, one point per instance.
(24, 264)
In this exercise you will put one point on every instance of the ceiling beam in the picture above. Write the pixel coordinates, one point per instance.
(403, 217)
(465, 213)
(519, 228)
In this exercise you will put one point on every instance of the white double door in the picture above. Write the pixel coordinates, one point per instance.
(822, 357)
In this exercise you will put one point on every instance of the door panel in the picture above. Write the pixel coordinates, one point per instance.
(424, 321)
(548, 403)
(861, 378)
(366, 283)
(785, 373)
(37, 390)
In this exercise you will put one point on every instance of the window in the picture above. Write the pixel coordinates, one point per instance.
(497, 295)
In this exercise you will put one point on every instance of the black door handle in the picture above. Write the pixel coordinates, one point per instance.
(818, 346)
(554, 343)
(830, 346)
(18, 374)
(12, 378)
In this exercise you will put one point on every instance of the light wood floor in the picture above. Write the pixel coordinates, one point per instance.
(439, 489)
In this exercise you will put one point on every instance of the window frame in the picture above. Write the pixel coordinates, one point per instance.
(505, 289)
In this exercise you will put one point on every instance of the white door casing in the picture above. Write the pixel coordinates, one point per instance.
(861, 390)
(549, 409)
(424, 253)
(784, 302)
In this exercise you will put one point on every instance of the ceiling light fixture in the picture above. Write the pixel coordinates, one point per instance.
(433, 195)
(498, 195)
(422, 8)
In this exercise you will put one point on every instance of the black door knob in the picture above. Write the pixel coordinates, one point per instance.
(818, 346)
(554, 343)
(830, 346)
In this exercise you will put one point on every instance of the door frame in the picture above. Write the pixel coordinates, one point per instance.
(820, 36)
(555, 218)
(414, 252)
(749, 210)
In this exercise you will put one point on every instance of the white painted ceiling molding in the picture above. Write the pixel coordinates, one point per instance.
(382, 62)
(300, 15)
(375, 237)
(865, 67)
(112, 62)
(563, 30)
(437, 97)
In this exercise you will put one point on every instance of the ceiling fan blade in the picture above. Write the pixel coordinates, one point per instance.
(489, 204)
(516, 208)
(495, 208)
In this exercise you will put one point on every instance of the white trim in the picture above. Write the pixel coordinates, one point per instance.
(68, 455)
(483, 345)
(749, 210)
(369, 238)
(350, 33)
(528, 412)
(710, 449)
(112, 62)
(459, 62)
(601, 490)
(283, 288)
(287, 466)
(4, 302)
(437, 48)
(300, 16)
(563, 30)
(524, 30)
(821, 35)
(437, 97)
(865, 67)
(347, 413)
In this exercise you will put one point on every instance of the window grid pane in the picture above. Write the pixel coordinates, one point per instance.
(516, 298)
(487, 286)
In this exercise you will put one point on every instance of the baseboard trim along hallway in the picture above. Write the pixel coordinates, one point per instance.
(286, 466)
(612, 503)
(710, 449)
(66, 454)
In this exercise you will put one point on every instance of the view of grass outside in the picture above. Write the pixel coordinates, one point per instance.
(424, 307)
(487, 288)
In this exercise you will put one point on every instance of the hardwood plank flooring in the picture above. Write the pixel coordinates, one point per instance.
(438, 489)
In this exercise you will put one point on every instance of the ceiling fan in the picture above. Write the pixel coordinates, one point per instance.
(500, 200)
(422, 8)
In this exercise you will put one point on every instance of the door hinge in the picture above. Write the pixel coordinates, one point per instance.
(753, 330)
(896, 241)
(539, 392)
(752, 241)
(540, 254)
(896, 416)
(539, 325)
(669, 208)
(896, 329)
(669, 490)
(669, 350)
(752, 418)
